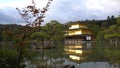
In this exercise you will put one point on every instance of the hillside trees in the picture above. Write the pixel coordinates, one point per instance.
(52, 32)
(113, 32)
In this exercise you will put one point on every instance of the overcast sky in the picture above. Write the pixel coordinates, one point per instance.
(61, 10)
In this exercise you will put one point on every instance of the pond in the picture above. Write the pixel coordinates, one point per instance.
(83, 55)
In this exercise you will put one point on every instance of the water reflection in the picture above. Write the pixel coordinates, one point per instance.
(84, 55)
(78, 52)
(87, 55)
(92, 65)
(69, 51)
(73, 46)
(74, 57)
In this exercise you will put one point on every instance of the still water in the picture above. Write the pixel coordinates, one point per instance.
(83, 55)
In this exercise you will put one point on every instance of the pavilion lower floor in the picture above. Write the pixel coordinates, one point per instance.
(77, 39)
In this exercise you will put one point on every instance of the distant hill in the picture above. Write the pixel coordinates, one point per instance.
(4, 19)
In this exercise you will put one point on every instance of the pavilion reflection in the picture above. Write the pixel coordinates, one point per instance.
(78, 53)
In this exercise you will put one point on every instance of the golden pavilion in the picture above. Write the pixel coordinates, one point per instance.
(78, 32)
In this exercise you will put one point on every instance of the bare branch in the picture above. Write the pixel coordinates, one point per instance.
(32, 15)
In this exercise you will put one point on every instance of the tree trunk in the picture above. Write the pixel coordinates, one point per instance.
(111, 41)
(19, 58)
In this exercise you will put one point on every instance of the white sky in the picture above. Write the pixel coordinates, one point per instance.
(61, 10)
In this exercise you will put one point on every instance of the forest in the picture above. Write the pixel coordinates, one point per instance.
(103, 29)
